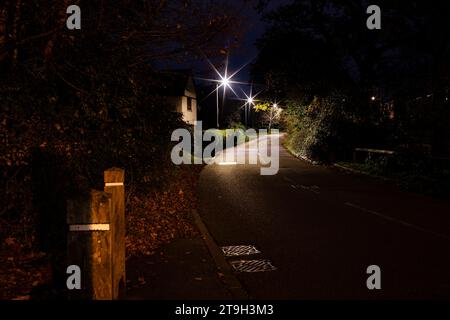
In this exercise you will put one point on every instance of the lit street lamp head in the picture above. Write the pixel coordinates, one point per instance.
(225, 82)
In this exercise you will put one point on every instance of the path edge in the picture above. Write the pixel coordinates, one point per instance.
(231, 282)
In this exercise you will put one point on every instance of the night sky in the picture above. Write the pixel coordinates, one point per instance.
(247, 52)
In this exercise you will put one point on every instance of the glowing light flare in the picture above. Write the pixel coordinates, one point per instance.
(224, 80)
(250, 99)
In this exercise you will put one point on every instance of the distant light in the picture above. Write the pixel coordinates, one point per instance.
(250, 100)
(373, 98)
(275, 105)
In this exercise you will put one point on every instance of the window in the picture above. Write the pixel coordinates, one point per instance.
(189, 103)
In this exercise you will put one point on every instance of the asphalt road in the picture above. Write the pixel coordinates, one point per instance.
(321, 228)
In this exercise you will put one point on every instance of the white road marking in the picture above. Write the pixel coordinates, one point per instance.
(229, 163)
(403, 223)
(288, 179)
(312, 188)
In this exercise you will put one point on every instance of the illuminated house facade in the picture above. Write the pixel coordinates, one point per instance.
(180, 91)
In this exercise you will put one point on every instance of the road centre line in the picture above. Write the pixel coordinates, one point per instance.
(380, 215)
(398, 221)
(309, 189)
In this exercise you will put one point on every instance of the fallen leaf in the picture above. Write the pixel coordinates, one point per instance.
(10, 241)
(141, 280)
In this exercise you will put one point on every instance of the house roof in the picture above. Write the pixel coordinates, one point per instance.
(175, 82)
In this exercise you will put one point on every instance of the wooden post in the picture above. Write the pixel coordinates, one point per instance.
(89, 245)
(114, 184)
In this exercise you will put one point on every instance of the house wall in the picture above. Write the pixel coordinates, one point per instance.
(180, 104)
(189, 116)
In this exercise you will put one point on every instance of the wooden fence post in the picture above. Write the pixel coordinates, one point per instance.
(89, 244)
(114, 184)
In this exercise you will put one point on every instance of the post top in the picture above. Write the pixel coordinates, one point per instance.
(114, 175)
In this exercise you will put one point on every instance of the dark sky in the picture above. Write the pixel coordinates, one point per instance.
(246, 52)
(255, 27)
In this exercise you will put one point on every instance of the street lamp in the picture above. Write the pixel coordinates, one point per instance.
(224, 80)
(249, 102)
(247, 107)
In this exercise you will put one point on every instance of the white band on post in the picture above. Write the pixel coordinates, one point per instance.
(113, 184)
(89, 227)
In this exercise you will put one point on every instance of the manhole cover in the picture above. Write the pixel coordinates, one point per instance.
(233, 251)
(252, 266)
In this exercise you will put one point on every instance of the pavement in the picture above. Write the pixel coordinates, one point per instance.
(322, 228)
(182, 270)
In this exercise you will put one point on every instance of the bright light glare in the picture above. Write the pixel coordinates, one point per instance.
(373, 98)
(225, 82)
(250, 98)
(275, 105)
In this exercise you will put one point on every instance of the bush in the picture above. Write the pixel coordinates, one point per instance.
(415, 158)
(61, 145)
(322, 130)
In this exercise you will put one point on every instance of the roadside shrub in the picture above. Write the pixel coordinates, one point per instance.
(415, 158)
(323, 129)
(61, 145)
(237, 125)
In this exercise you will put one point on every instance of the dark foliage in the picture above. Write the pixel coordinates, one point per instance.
(74, 103)
(315, 49)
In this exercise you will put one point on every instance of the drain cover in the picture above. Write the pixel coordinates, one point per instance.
(252, 266)
(232, 251)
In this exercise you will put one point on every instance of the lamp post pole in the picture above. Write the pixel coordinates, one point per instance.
(217, 104)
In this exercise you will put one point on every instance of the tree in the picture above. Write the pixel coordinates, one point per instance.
(321, 46)
(315, 48)
(75, 102)
(270, 113)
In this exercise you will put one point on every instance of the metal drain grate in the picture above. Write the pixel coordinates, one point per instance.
(252, 266)
(233, 251)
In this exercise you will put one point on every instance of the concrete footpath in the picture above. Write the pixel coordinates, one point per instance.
(185, 269)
